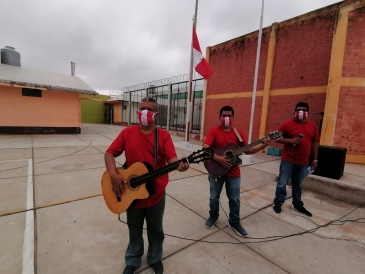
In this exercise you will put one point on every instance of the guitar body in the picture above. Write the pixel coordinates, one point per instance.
(139, 177)
(217, 170)
(130, 194)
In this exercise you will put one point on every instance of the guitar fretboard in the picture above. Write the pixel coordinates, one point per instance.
(137, 181)
(239, 151)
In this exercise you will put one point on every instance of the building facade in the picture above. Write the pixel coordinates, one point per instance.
(318, 57)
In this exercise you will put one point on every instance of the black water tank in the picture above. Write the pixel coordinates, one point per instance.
(10, 57)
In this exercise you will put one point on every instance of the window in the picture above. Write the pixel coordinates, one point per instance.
(31, 92)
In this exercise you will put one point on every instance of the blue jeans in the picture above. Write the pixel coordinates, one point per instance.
(296, 173)
(135, 219)
(233, 193)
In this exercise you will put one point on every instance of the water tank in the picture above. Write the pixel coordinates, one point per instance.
(10, 57)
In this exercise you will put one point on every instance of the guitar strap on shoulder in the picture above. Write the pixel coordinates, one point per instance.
(156, 147)
(150, 184)
(239, 137)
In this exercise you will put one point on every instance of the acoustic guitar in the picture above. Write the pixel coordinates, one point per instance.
(232, 152)
(137, 175)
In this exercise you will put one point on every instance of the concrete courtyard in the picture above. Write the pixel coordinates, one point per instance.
(53, 218)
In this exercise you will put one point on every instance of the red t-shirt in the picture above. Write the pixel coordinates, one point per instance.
(298, 154)
(139, 147)
(217, 138)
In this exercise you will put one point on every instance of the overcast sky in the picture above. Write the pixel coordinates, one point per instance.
(119, 43)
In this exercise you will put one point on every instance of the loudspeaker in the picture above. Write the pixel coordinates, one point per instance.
(331, 162)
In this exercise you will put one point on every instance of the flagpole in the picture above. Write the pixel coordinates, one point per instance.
(256, 75)
(188, 106)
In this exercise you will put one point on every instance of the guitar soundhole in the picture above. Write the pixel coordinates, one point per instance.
(228, 155)
(132, 184)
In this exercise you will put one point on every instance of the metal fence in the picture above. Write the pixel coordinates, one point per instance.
(171, 95)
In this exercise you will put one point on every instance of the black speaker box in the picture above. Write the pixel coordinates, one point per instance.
(331, 162)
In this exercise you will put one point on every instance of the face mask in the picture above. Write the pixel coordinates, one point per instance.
(300, 115)
(146, 117)
(226, 121)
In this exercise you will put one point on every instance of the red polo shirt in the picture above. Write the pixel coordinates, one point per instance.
(218, 138)
(298, 154)
(139, 147)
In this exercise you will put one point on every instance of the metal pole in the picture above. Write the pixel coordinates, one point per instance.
(169, 97)
(189, 108)
(256, 75)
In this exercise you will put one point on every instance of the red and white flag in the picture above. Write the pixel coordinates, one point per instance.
(200, 64)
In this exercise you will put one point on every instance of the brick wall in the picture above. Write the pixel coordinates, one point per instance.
(302, 59)
(350, 122)
(303, 52)
(241, 112)
(233, 64)
(354, 58)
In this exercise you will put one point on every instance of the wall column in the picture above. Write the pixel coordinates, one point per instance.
(268, 77)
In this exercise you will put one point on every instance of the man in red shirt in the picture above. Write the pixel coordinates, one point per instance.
(300, 139)
(217, 137)
(138, 144)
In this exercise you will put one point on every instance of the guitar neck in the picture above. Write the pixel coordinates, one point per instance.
(155, 173)
(239, 151)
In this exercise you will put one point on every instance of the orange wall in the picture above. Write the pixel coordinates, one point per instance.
(53, 109)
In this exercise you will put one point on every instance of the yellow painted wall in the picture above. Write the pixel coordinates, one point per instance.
(53, 109)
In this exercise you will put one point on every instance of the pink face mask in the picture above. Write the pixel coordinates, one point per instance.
(226, 121)
(300, 115)
(146, 117)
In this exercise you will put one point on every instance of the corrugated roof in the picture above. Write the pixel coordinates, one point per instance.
(32, 78)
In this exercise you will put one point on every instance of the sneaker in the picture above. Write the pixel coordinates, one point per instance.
(302, 209)
(129, 269)
(210, 222)
(277, 209)
(157, 267)
(238, 229)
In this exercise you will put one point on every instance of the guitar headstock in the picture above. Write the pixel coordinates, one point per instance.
(274, 135)
(200, 155)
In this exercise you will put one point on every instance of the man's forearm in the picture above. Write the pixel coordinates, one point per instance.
(284, 141)
(110, 163)
(315, 150)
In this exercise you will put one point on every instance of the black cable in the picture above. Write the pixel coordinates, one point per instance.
(270, 238)
(266, 239)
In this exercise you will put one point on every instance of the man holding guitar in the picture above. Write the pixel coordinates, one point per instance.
(139, 143)
(218, 137)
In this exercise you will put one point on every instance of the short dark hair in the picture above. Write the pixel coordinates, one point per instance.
(226, 108)
(150, 99)
(302, 104)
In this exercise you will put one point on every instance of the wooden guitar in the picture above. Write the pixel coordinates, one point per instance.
(137, 175)
(232, 152)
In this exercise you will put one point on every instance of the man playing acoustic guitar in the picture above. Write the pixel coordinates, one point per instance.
(217, 137)
(138, 143)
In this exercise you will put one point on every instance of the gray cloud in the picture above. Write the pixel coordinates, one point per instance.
(121, 43)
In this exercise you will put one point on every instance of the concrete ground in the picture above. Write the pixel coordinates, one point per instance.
(53, 218)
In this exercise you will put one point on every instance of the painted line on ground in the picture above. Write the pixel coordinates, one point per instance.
(28, 245)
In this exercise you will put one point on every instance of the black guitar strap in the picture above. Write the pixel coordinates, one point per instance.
(150, 185)
(239, 137)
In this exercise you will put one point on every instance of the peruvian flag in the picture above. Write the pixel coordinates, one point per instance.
(200, 64)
